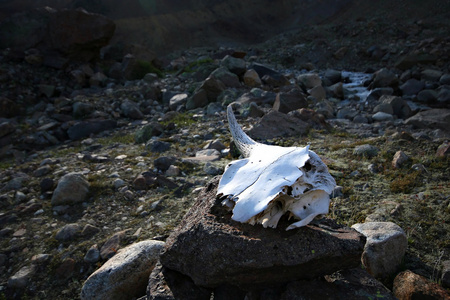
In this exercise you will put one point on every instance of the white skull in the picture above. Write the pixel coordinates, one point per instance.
(273, 180)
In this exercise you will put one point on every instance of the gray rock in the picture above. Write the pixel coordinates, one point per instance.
(213, 108)
(399, 105)
(375, 94)
(164, 162)
(346, 113)
(366, 150)
(6, 128)
(333, 76)
(92, 255)
(131, 110)
(81, 109)
(337, 90)
(72, 188)
(89, 230)
(360, 119)
(21, 278)
(112, 244)
(211, 169)
(289, 99)
(400, 158)
(431, 75)
(438, 118)
(384, 107)
(125, 275)
(269, 76)
(318, 93)
(214, 250)
(234, 65)
(228, 78)
(199, 99)
(444, 96)
(276, 124)
(86, 128)
(177, 100)
(42, 171)
(384, 78)
(382, 117)
(309, 80)
(445, 79)
(146, 132)
(412, 87)
(427, 96)
(68, 232)
(251, 78)
(385, 247)
(157, 146)
(213, 154)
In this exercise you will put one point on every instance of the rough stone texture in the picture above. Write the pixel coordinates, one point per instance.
(234, 65)
(412, 87)
(408, 285)
(228, 78)
(166, 284)
(214, 250)
(446, 274)
(276, 124)
(385, 247)
(72, 188)
(366, 150)
(384, 78)
(112, 244)
(75, 33)
(131, 110)
(309, 80)
(318, 92)
(251, 78)
(443, 150)
(437, 118)
(22, 277)
(355, 284)
(399, 159)
(400, 107)
(289, 99)
(125, 275)
(68, 232)
(382, 117)
(86, 128)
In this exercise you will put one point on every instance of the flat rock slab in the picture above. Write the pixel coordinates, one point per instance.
(214, 250)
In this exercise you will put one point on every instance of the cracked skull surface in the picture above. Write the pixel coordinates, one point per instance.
(271, 181)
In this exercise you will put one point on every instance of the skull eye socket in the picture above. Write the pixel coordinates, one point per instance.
(307, 166)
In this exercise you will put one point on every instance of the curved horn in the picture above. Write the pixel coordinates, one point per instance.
(243, 142)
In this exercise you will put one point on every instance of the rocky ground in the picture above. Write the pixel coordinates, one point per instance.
(144, 145)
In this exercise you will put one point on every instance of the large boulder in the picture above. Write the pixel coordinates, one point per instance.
(72, 188)
(125, 275)
(277, 124)
(438, 118)
(213, 250)
(76, 34)
(289, 99)
(385, 247)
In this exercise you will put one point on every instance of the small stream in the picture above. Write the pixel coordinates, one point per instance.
(356, 84)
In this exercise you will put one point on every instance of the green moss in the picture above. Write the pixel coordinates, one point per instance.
(181, 120)
(404, 183)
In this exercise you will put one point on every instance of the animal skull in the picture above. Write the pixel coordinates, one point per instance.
(272, 180)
